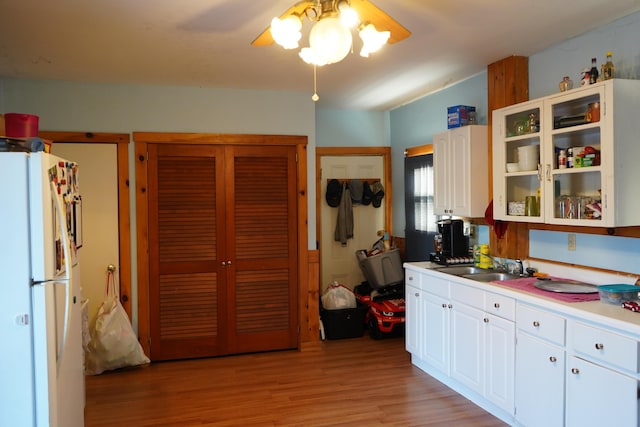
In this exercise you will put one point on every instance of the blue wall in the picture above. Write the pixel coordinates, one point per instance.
(546, 69)
(414, 124)
(352, 128)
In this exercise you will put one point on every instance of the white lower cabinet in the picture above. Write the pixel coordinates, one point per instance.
(602, 388)
(500, 362)
(414, 313)
(598, 396)
(467, 346)
(527, 364)
(437, 310)
(540, 367)
(539, 384)
(481, 337)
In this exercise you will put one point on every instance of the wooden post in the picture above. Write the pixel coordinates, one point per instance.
(508, 84)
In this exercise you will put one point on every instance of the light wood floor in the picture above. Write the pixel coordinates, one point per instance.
(353, 382)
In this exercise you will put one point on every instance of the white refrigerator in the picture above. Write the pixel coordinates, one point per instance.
(41, 357)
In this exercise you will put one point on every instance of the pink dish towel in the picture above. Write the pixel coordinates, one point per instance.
(526, 284)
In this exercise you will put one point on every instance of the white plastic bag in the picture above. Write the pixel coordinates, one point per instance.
(337, 297)
(113, 342)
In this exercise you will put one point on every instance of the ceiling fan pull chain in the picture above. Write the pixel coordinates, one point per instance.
(315, 96)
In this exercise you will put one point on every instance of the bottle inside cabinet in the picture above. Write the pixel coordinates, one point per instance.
(577, 184)
(578, 196)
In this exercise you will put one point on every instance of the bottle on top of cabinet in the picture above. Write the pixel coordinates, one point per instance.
(608, 69)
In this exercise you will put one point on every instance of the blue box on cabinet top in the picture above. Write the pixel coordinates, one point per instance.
(458, 115)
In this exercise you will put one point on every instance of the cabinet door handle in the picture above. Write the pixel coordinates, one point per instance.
(450, 306)
(417, 294)
(223, 263)
(444, 305)
(539, 172)
(599, 346)
(410, 278)
(575, 371)
(536, 323)
(552, 359)
(486, 320)
(548, 172)
(496, 305)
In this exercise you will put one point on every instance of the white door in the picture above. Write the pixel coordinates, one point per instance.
(467, 346)
(436, 327)
(98, 178)
(539, 382)
(598, 396)
(339, 262)
(500, 357)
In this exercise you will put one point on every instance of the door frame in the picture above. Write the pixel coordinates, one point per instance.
(124, 219)
(142, 140)
(387, 204)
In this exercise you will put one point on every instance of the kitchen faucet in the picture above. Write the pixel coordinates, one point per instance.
(519, 262)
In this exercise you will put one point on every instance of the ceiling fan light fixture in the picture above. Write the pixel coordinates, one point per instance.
(372, 39)
(286, 32)
(330, 41)
(348, 16)
(308, 55)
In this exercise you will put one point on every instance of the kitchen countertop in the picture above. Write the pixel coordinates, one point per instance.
(610, 315)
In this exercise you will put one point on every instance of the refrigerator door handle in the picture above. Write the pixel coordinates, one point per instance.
(66, 250)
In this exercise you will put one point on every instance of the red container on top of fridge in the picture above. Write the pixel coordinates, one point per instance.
(21, 125)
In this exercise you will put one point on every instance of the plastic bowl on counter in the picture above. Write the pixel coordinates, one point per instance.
(618, 293)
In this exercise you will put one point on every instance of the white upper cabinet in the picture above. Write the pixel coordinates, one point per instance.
(596, 127)
(461, 171)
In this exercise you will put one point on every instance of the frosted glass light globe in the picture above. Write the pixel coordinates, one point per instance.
(330, 40)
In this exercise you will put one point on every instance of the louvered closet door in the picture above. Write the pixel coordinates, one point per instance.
(261, 226)
(186, 220)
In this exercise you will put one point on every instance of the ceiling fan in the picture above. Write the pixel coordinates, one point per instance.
(369, 19)
(330, 38)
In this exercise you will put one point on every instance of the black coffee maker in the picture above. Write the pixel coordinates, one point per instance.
(454, 242)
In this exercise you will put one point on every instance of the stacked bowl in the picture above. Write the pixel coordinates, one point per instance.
(528, 157)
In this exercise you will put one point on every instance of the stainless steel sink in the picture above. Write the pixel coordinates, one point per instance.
(461, 270)
(490, 277)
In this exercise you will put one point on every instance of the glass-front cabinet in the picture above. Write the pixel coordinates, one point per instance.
(570, 158)
(517, 173)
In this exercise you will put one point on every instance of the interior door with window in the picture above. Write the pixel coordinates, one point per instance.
(419, 210)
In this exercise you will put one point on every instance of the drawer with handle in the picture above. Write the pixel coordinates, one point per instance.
(541, 323)
(605, 346)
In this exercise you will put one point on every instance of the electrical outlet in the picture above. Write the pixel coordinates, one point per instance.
(571, 241)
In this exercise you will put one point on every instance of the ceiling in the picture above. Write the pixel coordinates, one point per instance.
(207, 43)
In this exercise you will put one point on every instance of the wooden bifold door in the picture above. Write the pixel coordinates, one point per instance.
(222, 249)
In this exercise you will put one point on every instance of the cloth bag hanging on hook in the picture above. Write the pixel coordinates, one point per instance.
(113, 342)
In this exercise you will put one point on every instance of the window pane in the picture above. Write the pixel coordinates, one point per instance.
(425, 220)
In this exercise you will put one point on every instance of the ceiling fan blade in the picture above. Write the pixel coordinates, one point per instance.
(370, 13)
(265, 38)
